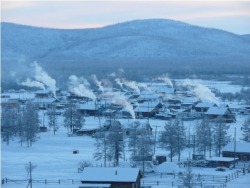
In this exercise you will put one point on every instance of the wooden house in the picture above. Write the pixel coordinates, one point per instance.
(242, 151)
(221, 161)
(204, 106)
(115, 177)
(220, 113)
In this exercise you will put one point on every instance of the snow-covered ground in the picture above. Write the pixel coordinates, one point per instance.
(53, 155)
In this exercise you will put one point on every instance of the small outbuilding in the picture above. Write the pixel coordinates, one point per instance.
(221, 161)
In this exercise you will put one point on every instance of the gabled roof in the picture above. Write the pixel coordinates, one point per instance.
(241, 147)
(88, 106)
(95, 174)
(217, 111)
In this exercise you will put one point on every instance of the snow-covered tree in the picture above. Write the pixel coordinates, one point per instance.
(187, 178)
(73, 118)
(204, 136)
(246, 130)
(180, 137)
(133, 138)
(31, 123)
(53, 119)
(101, 146)
(109, 144)
(115, 143)
(8, 123)
(167, 139)
(220, 136)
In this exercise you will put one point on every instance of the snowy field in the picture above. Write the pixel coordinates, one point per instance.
(53, 155)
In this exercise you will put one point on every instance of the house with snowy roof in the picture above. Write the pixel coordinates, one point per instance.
(241, 150)
(89, 108)
(111, 177)
(204, 106)
(220, 113)
(147, 109)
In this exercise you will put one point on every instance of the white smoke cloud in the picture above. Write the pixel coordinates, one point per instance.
(97, 82)
(200, 90)
(32, 83)
(43, 77)
(143, 86)
(121, 100)
(166, 79)
(131, 84)
(119, 82)
(79, 86)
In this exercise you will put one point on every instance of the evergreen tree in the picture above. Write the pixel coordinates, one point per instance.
(220, 136)
(53, 119)
(246, 130)
(73, 118)
(167, 139)
(31, 123)
(109, 144)
(101, 147)
(180, 137)
(8, 123)
(204, 136)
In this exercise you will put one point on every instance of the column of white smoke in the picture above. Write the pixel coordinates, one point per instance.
(79, 86)
(42, 76)
(201, 91)
(166, 80)
(118, 81)
(32, 83)
(121, 100)
(131, 84)
(97, 82)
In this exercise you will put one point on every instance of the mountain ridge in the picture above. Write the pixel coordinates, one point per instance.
(138, 38)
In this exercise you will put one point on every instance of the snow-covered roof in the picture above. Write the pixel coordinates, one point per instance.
(88, 106)
(216, 111)
(96, 174)
(44, 100)
(204, 105)
(225, 159)
(168, 167)
(144, 109)
(242, 147)
(95, 185)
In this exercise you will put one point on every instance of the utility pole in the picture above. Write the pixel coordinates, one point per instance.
(30, 174)
(234, 145)
(155, 137)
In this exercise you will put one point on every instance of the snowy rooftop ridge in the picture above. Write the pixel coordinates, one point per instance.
(115, 174)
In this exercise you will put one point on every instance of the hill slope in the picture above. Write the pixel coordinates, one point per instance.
(141, 38)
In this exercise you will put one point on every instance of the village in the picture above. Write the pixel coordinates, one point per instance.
(150, 106)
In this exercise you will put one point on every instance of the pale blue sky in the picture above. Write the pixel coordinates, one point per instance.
(233, 16)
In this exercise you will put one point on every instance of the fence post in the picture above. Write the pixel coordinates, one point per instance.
(213, 178)
(157, 182)
(45, 181)
(201, 184)
(226, 178)
(59, 181)
(72, 181)
(172, 184)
